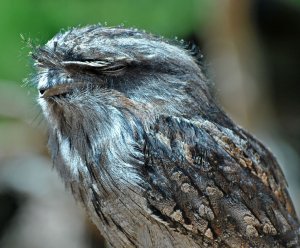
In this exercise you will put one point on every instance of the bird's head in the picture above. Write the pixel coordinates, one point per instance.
(112, 69)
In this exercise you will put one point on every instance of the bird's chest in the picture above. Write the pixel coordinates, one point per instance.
(119, 211)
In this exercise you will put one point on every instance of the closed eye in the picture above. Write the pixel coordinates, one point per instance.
(105, 67)
(114, 68)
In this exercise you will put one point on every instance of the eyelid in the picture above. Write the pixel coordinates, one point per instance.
(105, 67)
(93, 64)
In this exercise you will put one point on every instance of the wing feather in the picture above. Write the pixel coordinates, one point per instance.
(218, 182)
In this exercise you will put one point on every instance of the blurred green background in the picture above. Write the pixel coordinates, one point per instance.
(39, 20)
(251, 47)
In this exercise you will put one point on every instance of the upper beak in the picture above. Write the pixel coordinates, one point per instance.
(58, 89)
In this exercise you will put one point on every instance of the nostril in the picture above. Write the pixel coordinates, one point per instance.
(42, 91)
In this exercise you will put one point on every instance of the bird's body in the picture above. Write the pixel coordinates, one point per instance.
(138, 138)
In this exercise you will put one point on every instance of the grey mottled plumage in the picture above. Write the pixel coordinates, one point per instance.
(138, 138)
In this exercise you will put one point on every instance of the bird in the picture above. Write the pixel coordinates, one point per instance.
(139, 139)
